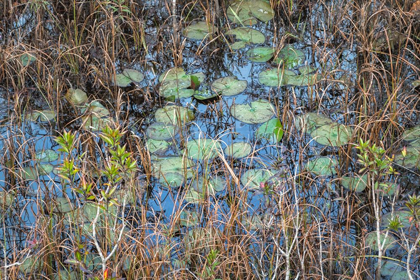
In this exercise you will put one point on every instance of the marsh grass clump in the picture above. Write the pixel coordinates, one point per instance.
(209, 139)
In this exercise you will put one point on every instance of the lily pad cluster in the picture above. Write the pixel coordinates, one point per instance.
(127, 77)
(323, 130)
(43, 165)
(258, 179)
(245, 36)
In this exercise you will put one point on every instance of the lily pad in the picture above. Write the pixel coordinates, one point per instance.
(205, 94)
(41, 116)
(199, 30)
(256, 179)
(332, 135)
(62, 205)
(412, 134)
(29, 173)
(402, 275)
(372, 241)
(290, 57)
(193, 196)
(133, 75)
(189, 218)
(229, 86)
(411, 159)
(256, 112)
(390, 268)
(200, 149)
(93, 123)
(166, 165)
(271, 130)
(175, 73)
(238, 45)
(161, 131)
(310, 121)
(211, 185)
(404, 216)
(306, 69)
(26, 59)
(357, 183)
(302, 80)
(176, 88)
(157, 146)
(96, 109)
(260, 54)
(238, 150)
(76, 96)
(173, 114)
(322, 166)
(247, 35)
(245, 11)
(6, 199)
(172, 179)
(415, 83)
(387, 189)
(46, 155)
(45, 169)
(274, 77)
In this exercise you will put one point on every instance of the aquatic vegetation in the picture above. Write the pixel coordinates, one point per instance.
(127, 77)
(245, 36)
(228, 86)
(199, 30)
(238, 150)
(272, 130)
(174, 115)
(322, 166)
(256, 112)
(332, 134)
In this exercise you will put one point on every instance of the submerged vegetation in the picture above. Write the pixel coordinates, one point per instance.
(210, 139)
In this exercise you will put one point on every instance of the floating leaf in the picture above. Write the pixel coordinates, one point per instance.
(6, 199)
(255, 179)
(390, 268)
(322, 166)
(161, 131)
(122, 80)
(412, 134)
(199, 30)
(205, 94)
(256, 112)
(271, 130)
(29, 173)
(93, 123)
(387, 189)
(210, 186)
(241, 11)
(176, 73)
(179, 165)
(133, 75)
(157, 146)
(200, 149)
(402, 275)
(310, 121)
(46, 155)
(302, 80)
(26, 59)
(246, 36)
(274, 77)
(96, 109)
(238, 150)
(41, 116)
(174, 115)
(192, 196)
(357, 183)
(189, 218)
(389, 241)
(30, 264)
(45, 169)
(260, 54)
(290, 57)
(229, 86)
(415, 83)
(306, 69)
(411, 159)
(176, 88)
(76, 96)
(62, 205)
(238, 45)
(172, 179)
(332, 135)
(404, 217)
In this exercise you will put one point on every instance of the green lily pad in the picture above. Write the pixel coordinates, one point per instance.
(192, 196)
(26, 59)
(322, 166)
(29, 173)
(275, 77)
(302, 80)
(211, 185)
(238, 150)
(229, 86)
(157, 146)
(254, 179)
(161, 131)
(332, 135)
(310, 121)
(357, 183)
(199, 30)
(172, 179)
(96, 109)
(76, 96)
(402, 275)
(176, 73)
(256, 112)
(245, 11)
(387, 189)
(403, 215)
(271, 130)
(133, 75)
(238, 45)
(260, 54)
(93, 123)
(415, 83)
(389, 268)
(41, 116)
(166, 165)
(62, 205)
(189, 218)
(45, 169)
(46, 155)
(6, 199)
(176, 88)
(173, 114)
(247, 35)
(372, 241)
(412, 134)
(200, 149)
(205, 94)
(122, 80)
(411, 159)
(30, 264)
(290, 57)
